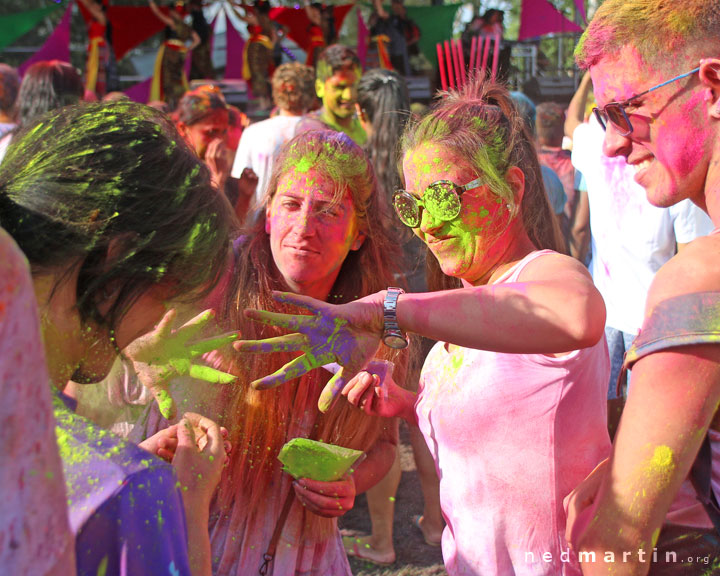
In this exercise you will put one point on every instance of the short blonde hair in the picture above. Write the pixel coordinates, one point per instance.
(293, 87)
(655, 28)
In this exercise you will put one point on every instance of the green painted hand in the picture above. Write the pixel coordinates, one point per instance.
(164, 353)
(348, 334)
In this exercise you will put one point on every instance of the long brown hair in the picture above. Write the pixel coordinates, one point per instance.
(259, 420)
(481, 124)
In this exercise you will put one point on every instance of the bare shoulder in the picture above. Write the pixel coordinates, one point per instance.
(555, 267)
(695, 269)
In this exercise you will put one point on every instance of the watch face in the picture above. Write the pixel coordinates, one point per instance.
(393, 341)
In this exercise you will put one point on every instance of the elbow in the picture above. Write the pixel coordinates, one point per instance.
(586, 326)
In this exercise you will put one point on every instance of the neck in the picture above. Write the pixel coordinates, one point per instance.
(6, 118)
(320, 290)
(710, 199)
(508, 255)
(284, 112)
(58, 321)
(331, 119)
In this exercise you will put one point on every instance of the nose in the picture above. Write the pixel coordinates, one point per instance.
(305, 221)
(615, 144)
(428, 223)
(347, 93)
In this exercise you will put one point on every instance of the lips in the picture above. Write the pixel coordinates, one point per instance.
(640, 167)
(301, 249)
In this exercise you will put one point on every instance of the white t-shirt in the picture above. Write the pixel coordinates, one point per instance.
(631, 238)
(259, 145)
(4, 143)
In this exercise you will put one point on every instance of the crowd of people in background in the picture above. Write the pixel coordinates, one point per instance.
(185, 291)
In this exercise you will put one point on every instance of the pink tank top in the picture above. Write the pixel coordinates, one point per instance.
(512, 435)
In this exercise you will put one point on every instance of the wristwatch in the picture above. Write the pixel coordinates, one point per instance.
(392, 336)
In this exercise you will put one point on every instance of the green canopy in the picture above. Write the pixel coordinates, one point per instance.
(435, 23)
(12, 26)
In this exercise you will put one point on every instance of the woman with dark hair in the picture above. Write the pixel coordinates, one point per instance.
(201, 65)
(169, 82)
(383, 108)
(257, 55)
(79, 193)
(318, 236)
(202, 117)
(45, 86)
(512, 397)
(101, 68)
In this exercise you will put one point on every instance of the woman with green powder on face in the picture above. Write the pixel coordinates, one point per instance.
(512, 397)
(79, 191)
(320, 236)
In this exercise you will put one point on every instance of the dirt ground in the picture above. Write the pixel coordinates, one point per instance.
(414, 557)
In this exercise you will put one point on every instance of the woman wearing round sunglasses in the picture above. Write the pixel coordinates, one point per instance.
(512, 398)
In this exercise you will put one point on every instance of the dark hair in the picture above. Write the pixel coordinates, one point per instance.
(526, 108)
(198, 104)
(334, 58)
(383, 97)
(550, 123)
(481, 124)
(9, 86)
(47, 86)
(293, 87)
(113, 189)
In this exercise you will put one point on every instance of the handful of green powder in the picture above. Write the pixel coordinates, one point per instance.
(303, 458)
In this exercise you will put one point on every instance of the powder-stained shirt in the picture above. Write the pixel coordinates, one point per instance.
(125, 504)
(511, 436)
(34, 529)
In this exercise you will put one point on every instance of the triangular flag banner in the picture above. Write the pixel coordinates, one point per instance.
(540, 17)
(234, 46)
(298, 24)
(362, 38)
(12, 26)
(434, 22)
(56, 47)
(140, 92)
(580, 5)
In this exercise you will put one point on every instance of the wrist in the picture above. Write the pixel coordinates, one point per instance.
(393, 336)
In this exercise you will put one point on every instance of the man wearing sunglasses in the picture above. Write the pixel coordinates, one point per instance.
(655, 67)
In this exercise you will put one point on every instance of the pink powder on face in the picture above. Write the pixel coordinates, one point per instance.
(682, 155)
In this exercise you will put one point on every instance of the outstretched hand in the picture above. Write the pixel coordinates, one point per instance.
(348, 334)
(164, 353)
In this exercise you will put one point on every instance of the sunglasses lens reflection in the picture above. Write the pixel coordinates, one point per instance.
(618, 118)
(407, 209)
(442, 201)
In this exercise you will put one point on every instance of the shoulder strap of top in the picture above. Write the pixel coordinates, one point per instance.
(514, 272)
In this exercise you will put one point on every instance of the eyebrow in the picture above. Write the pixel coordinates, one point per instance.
(320, 203)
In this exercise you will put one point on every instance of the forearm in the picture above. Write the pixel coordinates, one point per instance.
(580, 228)
(376, 465)
(199, 555)
(538, 317)
(670, 405)
(576, 109)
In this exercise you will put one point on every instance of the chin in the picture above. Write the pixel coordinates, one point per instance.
(91, 374)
